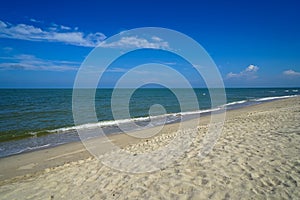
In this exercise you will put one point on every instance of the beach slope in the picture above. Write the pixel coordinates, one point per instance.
(257, 156)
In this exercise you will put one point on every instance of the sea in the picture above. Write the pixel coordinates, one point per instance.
(33, 119)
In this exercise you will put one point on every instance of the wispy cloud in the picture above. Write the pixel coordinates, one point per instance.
(56, 27)
(249, 73)
(35, 20)
(155, 38)
(117, 70)
(137, 42)
(30, 62)
(54, 33)
(291, 72)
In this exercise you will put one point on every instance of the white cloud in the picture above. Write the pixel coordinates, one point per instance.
(55, 33)
(232, 75)
(249, 73)
(136, 42)
(291, 72)
(65, 27)
(30, 62)
(155, 38)
(35, 21)
(251, 68)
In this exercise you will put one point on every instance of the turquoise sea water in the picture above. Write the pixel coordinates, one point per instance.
(39, 118)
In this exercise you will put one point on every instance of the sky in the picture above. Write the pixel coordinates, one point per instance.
(253, 43)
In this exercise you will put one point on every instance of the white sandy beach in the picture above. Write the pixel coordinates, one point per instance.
(256, 157)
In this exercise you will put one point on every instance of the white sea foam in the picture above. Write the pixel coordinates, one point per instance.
(273, 98)
(235, 102)
(38, 147)
(30, 149)
(171, 117)
(131, 120)
(198, 111)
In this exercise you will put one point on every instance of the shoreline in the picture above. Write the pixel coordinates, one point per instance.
(30, 162)
(72, 135)
(240, 163)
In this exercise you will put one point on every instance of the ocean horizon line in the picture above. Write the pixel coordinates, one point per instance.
(70, 88)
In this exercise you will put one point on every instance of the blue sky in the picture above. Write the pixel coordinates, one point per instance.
(253, 43)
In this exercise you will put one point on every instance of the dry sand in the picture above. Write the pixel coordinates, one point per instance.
(256, 157)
